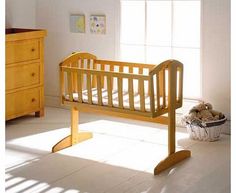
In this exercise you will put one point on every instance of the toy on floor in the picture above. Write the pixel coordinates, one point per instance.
(203, 123)
(203, 112)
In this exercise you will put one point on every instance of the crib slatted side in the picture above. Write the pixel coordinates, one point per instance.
(121, 78)
(101, 74)
(168, 81)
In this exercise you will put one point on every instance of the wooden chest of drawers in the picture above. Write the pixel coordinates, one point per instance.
(24, 72)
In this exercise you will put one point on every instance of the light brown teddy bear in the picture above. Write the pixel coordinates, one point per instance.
(216, 114)
(204, 112)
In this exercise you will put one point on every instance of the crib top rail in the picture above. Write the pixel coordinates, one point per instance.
(123, 64)
(105, 73)
(165, 65)
(75, 57)
(153, 68)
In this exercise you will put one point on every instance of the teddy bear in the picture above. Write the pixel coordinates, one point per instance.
(203, 112)
(216, 114)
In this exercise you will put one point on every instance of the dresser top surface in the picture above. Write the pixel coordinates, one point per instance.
(13, 34)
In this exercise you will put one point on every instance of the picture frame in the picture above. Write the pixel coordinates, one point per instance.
(98, 24)
(77, 23)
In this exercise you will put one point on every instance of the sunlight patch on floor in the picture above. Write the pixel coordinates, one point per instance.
(133, 146)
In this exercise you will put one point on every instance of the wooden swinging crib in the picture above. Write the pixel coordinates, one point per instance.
(130, 90)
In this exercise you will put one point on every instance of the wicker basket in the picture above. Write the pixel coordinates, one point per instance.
(208, 131)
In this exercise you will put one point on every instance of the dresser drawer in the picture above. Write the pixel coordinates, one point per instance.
(22, 102)
(22, 50)
(22, 75)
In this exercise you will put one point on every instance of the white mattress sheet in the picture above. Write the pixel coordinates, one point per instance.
(115, 100)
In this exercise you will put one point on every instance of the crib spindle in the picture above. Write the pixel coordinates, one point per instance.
(88, 64)
(152, 101)
(141, 93)
(112, 70)
(82, 63)
(157, 92)
(109, 90)
(120, 92)
(74, 76)
(130, 69)
(69, 81)
(89, 87)
(80, 85)
(62, 83)
(180, 83)
(163, 87)
(94, 77)
(99, 89)
(131, 93)
(102, 78)
(121, 68)
(140, 71)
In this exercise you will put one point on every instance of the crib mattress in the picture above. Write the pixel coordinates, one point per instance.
(115, 100)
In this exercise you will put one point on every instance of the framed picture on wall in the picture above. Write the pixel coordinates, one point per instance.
(98, 24)
(77, 23)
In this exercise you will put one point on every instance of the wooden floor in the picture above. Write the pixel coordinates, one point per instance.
(118, 159)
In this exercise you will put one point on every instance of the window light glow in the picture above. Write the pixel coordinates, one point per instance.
(153, 31)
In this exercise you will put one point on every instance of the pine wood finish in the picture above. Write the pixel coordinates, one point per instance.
(75, 136)
(164, 88)
(24, 72)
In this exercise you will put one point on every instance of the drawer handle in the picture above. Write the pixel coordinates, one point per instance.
(33, 74)
(32, 49)
(33, 100)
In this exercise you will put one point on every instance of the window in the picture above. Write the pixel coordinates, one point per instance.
(156, 30)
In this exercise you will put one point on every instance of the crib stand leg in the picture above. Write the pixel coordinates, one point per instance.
(173, 156)
(171, 160)
(75, 136)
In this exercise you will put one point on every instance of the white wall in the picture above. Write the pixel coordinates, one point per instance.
(216, 54)
(53, 15)
(20, 13)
